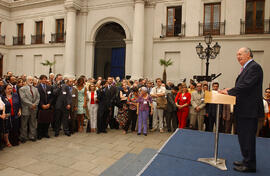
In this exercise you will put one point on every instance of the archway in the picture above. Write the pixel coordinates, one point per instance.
(110, 51)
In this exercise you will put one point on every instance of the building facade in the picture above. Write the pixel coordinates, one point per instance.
(129, 37)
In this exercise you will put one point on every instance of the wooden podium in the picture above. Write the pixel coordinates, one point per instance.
(217, 98)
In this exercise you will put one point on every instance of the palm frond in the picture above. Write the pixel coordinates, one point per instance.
(165, 63)
(48, 63)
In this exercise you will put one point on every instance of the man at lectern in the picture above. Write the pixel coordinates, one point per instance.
(248, 108)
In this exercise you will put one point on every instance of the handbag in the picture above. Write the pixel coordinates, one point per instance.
(161, 102)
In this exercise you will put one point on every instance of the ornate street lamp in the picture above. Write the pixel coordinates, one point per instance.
(209, 52)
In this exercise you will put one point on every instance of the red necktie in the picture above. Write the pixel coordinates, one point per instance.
(14, 90)
(31, 91)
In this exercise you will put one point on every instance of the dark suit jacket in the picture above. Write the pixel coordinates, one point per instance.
(248, 92)
(46, 96)
(63, 96)
(171, 107)
(16, 104)
(110, 94)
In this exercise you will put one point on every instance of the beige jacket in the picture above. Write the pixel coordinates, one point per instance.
(197, 100)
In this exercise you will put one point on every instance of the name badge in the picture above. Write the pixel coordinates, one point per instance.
(73, 95)
(49, 92)
(64, 93)
(145, 102)
(124, 95)
(202, 99)
(184, 98)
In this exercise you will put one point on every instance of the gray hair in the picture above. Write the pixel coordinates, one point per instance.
(144, 89)
(248, 50)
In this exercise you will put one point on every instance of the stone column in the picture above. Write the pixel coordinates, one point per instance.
(138, 40)
(69, 67)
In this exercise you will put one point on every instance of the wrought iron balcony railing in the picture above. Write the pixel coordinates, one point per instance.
(259, 28)
(215, 28)
(37, 39)
(58, 38)
(20, 40)
(176, 30)
(2, 39)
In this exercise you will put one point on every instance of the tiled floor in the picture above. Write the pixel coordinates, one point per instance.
(82, 154)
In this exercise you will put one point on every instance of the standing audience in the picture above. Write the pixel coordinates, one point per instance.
(144, 101)
(197, 110)
(92, 106)
(29, 103)
(182, 101)
(13, 114)
(57, 100)
(158, 94)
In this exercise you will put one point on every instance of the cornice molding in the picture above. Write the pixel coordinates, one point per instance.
(215, 38)
(39, 15)
(47, 45)
(110, 5)
(17, 4)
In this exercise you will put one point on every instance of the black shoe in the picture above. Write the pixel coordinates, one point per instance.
(244, 169)
(56, 134)
(33, 140)
(67, 134)
(145, 134)
(138, 133)
(238, 163)
(169, 130)
(39, 137)
(46, 136)
(104, 131)
(23, 140)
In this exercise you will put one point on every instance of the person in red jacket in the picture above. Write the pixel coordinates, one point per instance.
(182, 101)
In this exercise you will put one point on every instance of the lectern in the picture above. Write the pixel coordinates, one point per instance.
(217, 98)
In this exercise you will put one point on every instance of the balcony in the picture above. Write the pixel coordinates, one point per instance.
(37, 39)
(2, 39)
(259, 28)
(177, 30)
(58, 38)
(20, 40)
(216, 28)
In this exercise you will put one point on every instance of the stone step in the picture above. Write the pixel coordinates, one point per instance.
(130, 164)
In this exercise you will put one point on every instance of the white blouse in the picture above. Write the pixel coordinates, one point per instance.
(2, 104)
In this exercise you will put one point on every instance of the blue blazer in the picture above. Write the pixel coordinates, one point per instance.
(16, 104)
(248, 92)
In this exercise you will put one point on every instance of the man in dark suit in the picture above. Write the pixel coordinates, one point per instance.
(73, 124)
(171, 113)
(103, 109)
(45, 107)
(111, 92)
(62, 107)
(248, 108)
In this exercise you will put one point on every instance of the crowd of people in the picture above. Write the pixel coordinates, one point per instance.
(29, 106)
